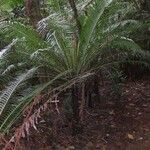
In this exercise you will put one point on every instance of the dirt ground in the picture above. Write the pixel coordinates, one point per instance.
(104, 127)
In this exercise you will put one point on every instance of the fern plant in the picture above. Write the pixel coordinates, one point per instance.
(71, 46)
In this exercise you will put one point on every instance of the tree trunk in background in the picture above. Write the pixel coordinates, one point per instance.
(32, 10)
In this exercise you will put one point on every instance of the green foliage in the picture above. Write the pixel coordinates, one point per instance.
(5, 96)
(9, 4)
(141, 12)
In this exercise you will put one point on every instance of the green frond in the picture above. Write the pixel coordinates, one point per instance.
(16, 106)
(48, 58)
(14, 109)
(9, 4)
(19, 30)
(89, 22)
(8, 92)
(59, 34)
(7, 48)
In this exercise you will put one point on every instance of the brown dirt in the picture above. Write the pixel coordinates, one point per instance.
(105, 128)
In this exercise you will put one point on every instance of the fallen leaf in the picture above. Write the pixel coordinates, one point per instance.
(131, 104)
(130, 136)
(112, 112)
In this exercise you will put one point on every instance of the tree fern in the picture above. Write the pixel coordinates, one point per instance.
(67, 54)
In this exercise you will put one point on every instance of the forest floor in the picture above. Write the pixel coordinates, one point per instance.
(104, 129)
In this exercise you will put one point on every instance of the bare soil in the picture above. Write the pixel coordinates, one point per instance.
(104, 126)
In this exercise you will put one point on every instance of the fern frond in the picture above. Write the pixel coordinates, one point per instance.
(14, 109)
(6, 94)
(21, 31)
(7, 48)
(89, 22)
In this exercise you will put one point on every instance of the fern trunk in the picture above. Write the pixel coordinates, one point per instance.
(76, 126)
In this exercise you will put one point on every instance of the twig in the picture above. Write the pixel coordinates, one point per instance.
(104, 140)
